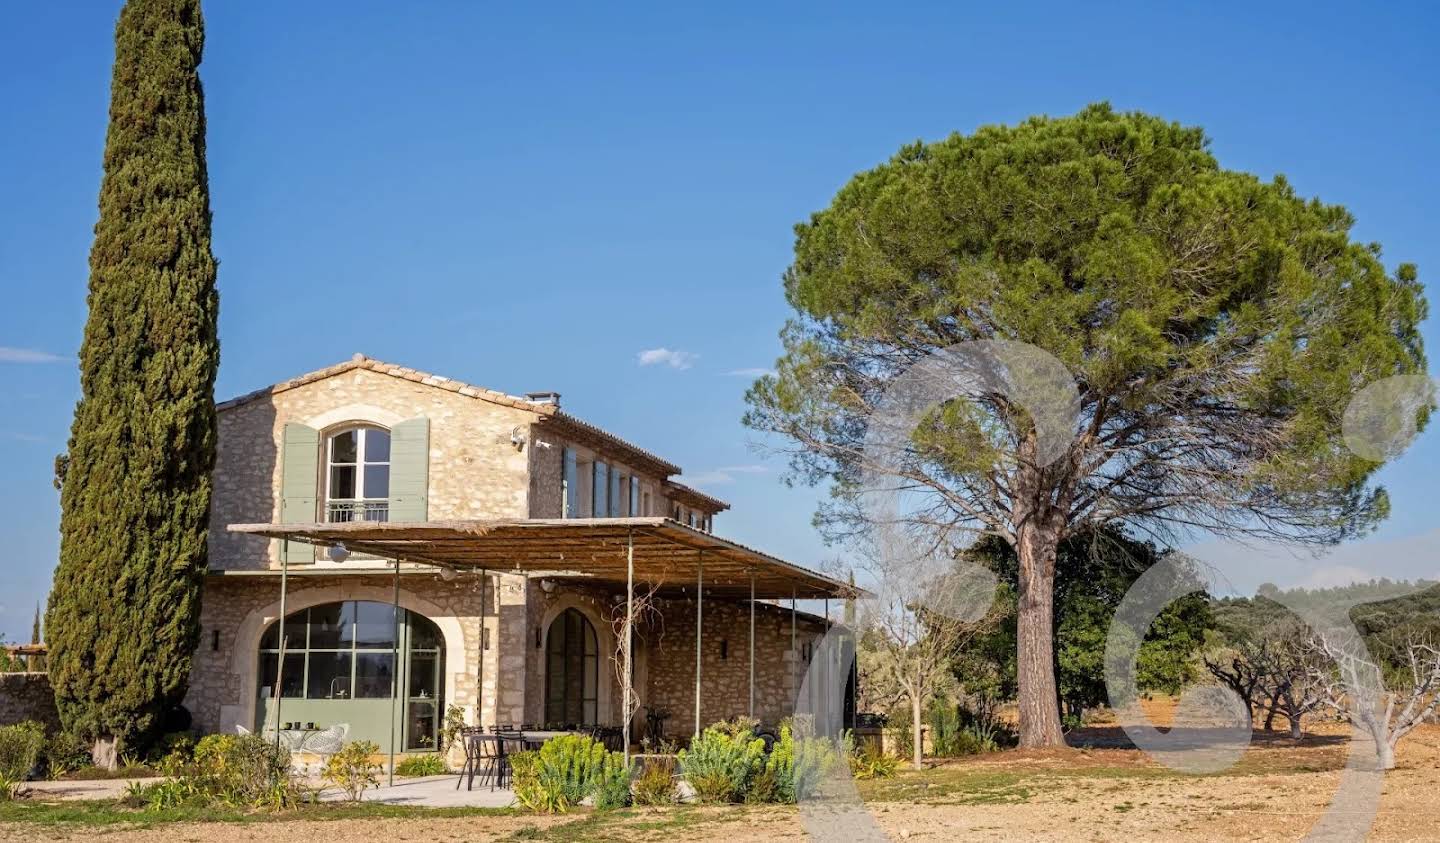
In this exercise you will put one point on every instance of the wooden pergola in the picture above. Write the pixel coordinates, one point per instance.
(669, 556)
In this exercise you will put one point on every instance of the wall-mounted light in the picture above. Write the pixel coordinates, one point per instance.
(547, 586)
(448, 574)
(537, 638)
(338, 553)
(215, 639)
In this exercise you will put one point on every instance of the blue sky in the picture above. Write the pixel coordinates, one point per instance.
(529, 198)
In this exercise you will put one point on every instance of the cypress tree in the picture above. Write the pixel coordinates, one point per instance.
(123, 614)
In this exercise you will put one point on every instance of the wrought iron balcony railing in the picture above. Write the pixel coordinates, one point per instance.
(341, 512)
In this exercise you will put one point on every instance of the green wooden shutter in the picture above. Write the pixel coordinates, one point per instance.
(299, 474)
(410, 470)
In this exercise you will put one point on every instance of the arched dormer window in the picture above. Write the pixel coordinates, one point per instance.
(357, 474)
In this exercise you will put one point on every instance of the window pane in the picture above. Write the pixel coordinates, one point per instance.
(377, 445)
(342, 447)
(420, 725)
(377, 481)
(295, 631)
(372, 675)
(422, 674)
(423, 636)
(572, 485)
(294, 678)
(329, 627)
(342, 482)
(329, 676)
(374, 625)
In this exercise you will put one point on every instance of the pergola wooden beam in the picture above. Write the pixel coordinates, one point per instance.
(664, 552)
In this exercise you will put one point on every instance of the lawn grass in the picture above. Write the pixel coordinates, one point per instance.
(676, 823)
(111, 812)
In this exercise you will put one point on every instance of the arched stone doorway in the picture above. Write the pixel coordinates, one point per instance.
(572, 670)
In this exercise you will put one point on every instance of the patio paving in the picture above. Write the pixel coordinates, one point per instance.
(432, 792)
(83, 788)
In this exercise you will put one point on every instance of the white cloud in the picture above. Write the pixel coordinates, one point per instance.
(723, 476)
(21, 437)
(26, 355)
(750, 373)
(665, 357)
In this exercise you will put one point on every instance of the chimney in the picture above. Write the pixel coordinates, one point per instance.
(543, 398)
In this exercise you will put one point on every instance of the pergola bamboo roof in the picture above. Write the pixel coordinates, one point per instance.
(668, 554)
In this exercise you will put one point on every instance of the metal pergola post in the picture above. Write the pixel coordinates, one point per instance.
(794, 654)
(394, 667)
(752, 643)
(480, 663)
(629, 622)
(699, 629)
(280, 638)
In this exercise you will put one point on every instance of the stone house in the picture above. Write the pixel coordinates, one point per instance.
(437, 544)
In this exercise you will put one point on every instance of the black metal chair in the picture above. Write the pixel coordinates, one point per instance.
(492, 762)
(468, 740)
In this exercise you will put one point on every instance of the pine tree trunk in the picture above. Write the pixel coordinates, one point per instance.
(1035, 627)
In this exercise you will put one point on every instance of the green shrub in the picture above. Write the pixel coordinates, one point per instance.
(20, 747)
(721, 762)
(612, 783)
(565, 771)
(236, 770)
(173, 743)
(655, 785)
(795, 767)
(943, 718)
(11, 790)
(65, 752)
(351, 769)
(525, 781)
(422, 765)
(871, 762)
(450, 731)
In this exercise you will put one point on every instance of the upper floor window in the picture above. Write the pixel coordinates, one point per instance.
(570, 484)
(357, 475)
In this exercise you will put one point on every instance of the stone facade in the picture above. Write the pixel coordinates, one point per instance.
(476, 471)
(518, 615)
(27, 696)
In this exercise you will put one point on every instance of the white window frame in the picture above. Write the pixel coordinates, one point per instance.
(363, 503)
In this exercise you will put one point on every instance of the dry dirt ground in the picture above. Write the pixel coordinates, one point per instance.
(1275, 793)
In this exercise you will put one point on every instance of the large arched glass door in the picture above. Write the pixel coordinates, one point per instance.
(572, 657)
(339, 668)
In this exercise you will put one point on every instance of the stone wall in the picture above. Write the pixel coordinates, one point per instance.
(475, 470)
(665, 656)
(27, 696)
(518, 615)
